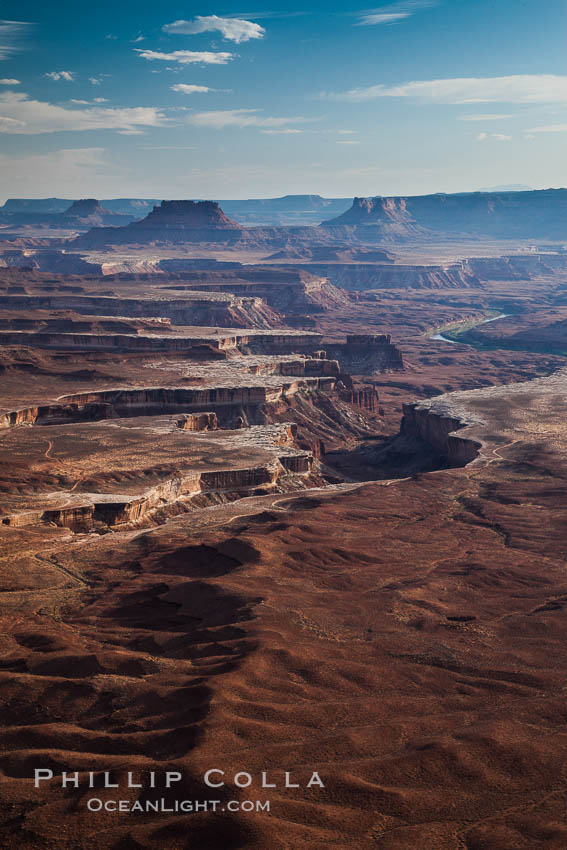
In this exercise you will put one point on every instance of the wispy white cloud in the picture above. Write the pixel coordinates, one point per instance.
(548, 128)
(167, 147)
(10, 125)
(95, 81)
(393, 13)
(88, 102)
(187, 88)
(8, 81)
(186, 57)
(264, 14)
(61, 75)
(285, 131)
(12, 37)
(231, 29)
(497, 137)
(347, 142)
(30, 117)
(519, 88)
(219, 119)
(491, 116)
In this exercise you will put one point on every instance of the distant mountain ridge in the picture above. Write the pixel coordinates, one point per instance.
(498, 215)
(288, 210)
(199, 222)
(134, 207)
(510, 214)
(81, 214)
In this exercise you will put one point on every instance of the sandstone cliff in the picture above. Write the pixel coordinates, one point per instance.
(366, 354)
(435, 421)
(290, 290)
(195, 308)
(364, 276)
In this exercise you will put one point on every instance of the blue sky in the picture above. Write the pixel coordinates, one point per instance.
(201, 100)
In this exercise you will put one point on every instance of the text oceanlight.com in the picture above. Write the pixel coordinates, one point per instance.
(95, 804)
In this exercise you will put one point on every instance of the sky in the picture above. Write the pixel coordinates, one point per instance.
(201, 100)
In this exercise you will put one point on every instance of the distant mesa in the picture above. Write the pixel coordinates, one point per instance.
(84, 208)
(377, 218)
(131, 207)
(170, 222)
(181, 215)
(199, 222)
(35, 205)
(89, 212)
(369, 223)
(498, 215)
(85, 213)
(503, 212)
(287, 211)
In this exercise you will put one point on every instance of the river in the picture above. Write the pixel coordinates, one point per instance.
(439, 335)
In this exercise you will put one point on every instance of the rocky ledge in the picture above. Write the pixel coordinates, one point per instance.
(491, 419)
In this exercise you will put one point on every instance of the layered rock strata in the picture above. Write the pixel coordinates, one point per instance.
(290, 290)
(109, 404)
(435, 422)
(198, 422)
(358, 277)
(363, 354)
(203, 467)
(198, 308)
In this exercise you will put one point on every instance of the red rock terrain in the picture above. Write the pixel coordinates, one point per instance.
(255, 549)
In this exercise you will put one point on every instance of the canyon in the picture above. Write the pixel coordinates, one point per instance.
(256, 515)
